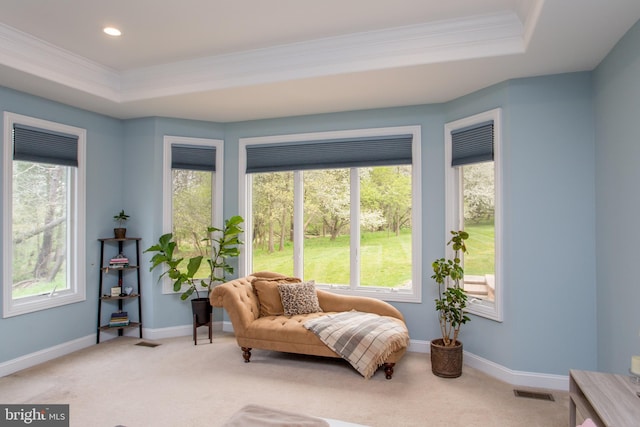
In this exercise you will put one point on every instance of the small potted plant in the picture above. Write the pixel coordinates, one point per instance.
(120, 232)
(224, 245)
(446, 352)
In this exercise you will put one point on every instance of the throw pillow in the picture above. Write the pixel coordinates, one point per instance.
(266, 289)
(299, 298)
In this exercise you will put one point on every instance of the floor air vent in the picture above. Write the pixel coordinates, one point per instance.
(147, 344)
(534, 395)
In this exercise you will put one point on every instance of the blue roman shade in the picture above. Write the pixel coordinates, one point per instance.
(193, 157)
(43, 146)
(330, 154)
(473, 144)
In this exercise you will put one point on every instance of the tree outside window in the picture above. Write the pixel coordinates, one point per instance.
(44, 178)
(384, 213)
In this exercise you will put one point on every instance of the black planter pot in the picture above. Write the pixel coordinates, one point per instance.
(201, 308)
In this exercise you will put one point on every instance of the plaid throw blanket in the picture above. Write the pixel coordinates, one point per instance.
(365, 340)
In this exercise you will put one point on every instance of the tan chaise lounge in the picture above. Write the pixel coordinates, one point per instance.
(259, 322)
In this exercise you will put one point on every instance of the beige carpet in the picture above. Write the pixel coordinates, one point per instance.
(177, 384)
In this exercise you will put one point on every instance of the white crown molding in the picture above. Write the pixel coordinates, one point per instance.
(34, 56)
(467, 38)
(481, 36)
(529, 12)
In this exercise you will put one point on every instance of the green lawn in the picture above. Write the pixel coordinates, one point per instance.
(386, 259)
(479, 259)
(38, 288)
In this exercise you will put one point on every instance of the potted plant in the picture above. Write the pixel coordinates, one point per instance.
(120, 232)
(446, 352)
(223, 244)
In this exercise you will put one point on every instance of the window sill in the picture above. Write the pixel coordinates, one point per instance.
(38, 303)
(384, 294)
(483, 308)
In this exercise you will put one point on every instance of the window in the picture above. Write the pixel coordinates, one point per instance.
(473, 165)
(44, 222)
(192, 192)
(341, 208)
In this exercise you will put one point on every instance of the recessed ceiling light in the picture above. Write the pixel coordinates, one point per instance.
(112, 31)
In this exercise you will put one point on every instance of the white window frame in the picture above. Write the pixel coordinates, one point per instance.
(167, 189)
(244, 195)
(76, 233)
(454, 209)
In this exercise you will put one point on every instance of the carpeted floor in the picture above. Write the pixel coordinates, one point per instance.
(177, 384)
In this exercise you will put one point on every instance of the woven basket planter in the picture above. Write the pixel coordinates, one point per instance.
(446, 362)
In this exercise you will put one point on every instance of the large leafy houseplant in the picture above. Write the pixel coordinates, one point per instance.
(452, 299)
(224, 244)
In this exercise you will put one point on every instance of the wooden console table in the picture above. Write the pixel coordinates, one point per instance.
(608, 399)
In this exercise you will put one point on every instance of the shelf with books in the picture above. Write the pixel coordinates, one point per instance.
(119, 319)
(114, 290)
(111, 328)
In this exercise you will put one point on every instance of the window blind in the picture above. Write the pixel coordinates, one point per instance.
(473, 144)
(193, 157)
(37, 145)
(330, 154)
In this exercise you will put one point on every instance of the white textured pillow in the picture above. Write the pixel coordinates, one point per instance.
(299, 298)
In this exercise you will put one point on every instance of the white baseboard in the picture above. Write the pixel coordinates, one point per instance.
(32, 359)
(510, 376)
(161, 333)
(518, 378)
(418, 346)
(227, 327)
(44, 355)
(178, 331)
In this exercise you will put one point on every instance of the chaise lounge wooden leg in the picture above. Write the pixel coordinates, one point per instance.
(388, 370)
(246, 353)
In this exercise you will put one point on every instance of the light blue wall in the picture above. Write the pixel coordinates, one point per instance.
(29, 333)
(617, 107)
(550, 253)
(548, 196)
(143, 198)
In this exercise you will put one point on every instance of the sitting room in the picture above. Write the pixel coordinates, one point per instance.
(454, 173)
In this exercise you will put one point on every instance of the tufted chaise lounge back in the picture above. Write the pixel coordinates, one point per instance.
(237, 293)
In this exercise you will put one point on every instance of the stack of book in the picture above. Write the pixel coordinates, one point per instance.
(121, 318)
(119, 261)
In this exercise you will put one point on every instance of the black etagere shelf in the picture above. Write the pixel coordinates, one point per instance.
(121, 301)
